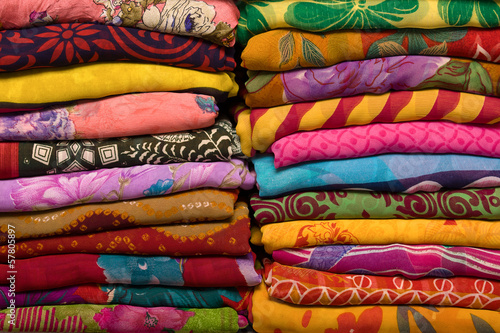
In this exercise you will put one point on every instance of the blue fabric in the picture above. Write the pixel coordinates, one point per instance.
(391, 173)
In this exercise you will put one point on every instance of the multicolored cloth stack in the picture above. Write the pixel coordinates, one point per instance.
(120, 206)
(373, 129)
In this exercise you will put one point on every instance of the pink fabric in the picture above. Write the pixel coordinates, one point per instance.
(437, 137)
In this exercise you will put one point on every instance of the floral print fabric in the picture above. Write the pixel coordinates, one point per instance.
(474, 203)
(104, 185)
(270, 315)
(70, 44)
(214, 20)
(121, 319)
(411, 261)
(322, 16)
(287, 49)
(375, 76)
(112, 117)
(82, 268)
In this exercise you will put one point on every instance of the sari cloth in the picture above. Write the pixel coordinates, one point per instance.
(311, 287)
(407, 173)
(28, 159)
(258, 16)
(227, 237)
(40, 88)
(299, 234)
(411, 261)
(200, 205)
(434, 137)
(114, 116)
(474, 203)
(183, 297)
(39, 47)
(104, 185)
(374, 76)
(61, 270)
(214, 20)
(259, 128)
(120, 318)
(271, 315)
(287, 49)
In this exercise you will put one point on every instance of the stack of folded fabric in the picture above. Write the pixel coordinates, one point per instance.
(120, 176)
(377, 163)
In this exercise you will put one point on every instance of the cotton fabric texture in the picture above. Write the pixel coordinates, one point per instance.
(70, 44)
(269, 314)
(110, 117)
(287, 49)
(258, 128)
(474, 203)
(56, 271)
(322, 16)
(200, 205)
(411, 261)
(375, 76)
(214, 20)
(104, 185)
(121, 318)
(28, 159)
(40, 88)
(408, 173)
(430, 137)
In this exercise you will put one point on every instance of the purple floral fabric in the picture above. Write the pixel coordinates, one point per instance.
(53, 191)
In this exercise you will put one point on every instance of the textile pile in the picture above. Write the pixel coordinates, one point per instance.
(120, 169)
(373, 129)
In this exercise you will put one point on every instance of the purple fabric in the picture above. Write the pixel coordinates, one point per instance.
(411, 261)
(53, 191)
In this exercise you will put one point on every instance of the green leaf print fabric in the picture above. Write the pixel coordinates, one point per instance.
(329, 15)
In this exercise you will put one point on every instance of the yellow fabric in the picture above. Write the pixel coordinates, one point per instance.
(304, 233)
(260, 135)
(272, 316)
(97, 80)
(262, 51)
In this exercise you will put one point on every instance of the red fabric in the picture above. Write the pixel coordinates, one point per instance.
(9, 160)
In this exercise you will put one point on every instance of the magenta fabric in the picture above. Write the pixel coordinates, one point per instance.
(437, 137)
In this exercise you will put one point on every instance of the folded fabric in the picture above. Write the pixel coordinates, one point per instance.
(309, 287)
(56, 271)
(322, 16)
(27, 159)
(287, 49)
(375, 76)
(185, 207)
(259, 128)
(227, 237)
(411, 261)
(119, 318)
(271, 315)
(475, 203)
(114, 116)
(104, 185)
(39, 88)
(435, 137)
(183, 297)
(214, 20)
(69, 44)
(299, 234)
(407, 173)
